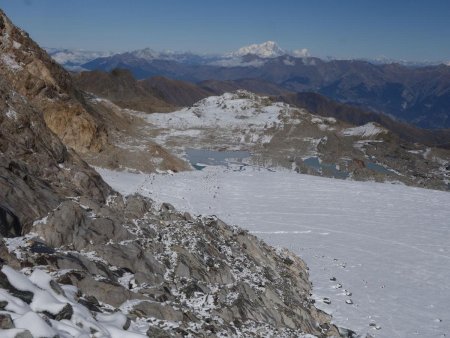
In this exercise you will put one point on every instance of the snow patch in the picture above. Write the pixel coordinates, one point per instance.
(16, 45)
(367, 130)
(10, 62)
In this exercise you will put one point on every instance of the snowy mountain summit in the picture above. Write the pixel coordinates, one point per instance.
(268, 49)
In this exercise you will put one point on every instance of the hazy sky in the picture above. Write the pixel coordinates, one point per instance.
(399, 29)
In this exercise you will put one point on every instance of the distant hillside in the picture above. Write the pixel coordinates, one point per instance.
(176, 92)
(254, 85)
(120, 87)
(321, 105)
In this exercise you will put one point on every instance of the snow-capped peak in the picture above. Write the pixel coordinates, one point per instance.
(268, 49)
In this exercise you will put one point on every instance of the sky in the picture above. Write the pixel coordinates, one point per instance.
(415, 30)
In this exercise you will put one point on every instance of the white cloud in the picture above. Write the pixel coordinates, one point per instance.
(300, 53)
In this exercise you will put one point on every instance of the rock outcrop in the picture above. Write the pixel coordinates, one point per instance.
(47, 86)
(36, 170)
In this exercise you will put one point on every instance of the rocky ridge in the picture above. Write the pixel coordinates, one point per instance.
(95, 262)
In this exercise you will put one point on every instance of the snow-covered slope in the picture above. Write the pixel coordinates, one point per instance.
(228, 110)
(378, 252)
(232, 120)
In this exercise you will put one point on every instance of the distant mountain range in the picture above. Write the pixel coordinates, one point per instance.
(418, 95)
(74, 59)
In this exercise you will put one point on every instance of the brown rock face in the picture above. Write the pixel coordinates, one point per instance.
(36, 169)
(33, 74)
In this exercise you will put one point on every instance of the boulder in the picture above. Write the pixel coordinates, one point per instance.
(6, 321)
(9, 223)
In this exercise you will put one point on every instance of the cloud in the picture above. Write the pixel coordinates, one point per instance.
(300, 53)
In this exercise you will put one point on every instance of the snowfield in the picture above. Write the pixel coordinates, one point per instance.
(379, 254)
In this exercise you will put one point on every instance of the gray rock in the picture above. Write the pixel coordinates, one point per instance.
(9, 223)
(157, 310)
(127, 324)
(26, 296)
(154, 332)
(6, 321)
(347, 333)
(55, 287)
(106, 291)
(136, 207)
(92, 306)
(65, 313)
(24, 334)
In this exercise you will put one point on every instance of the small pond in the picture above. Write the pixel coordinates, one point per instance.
(200, 158)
